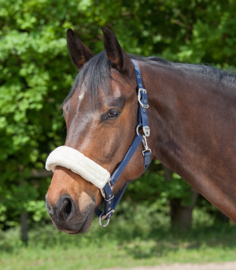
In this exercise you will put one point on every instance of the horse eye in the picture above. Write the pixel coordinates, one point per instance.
(112, 114)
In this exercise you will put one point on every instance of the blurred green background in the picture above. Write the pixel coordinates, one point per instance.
(167, 221)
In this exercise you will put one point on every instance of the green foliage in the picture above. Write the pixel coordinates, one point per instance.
(36, 74)
(152, 187)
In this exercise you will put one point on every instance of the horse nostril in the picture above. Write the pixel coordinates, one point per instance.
(67, 208)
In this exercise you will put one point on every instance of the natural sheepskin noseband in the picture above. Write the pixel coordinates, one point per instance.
(75, 161)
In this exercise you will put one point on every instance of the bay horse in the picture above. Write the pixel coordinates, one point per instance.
(192, 120)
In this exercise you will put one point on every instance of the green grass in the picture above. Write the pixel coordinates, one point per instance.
(142, 239)
(101, 253)
(110, 255)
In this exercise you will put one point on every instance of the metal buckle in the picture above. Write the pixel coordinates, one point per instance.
(142, 90)
(109, 199)
(148, 150)
(146, 131)
(139, 98)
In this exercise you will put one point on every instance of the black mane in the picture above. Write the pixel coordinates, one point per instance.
(97, 72)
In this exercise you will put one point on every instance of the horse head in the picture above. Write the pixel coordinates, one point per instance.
(101, 117)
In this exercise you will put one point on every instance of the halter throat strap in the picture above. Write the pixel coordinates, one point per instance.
(111, 201)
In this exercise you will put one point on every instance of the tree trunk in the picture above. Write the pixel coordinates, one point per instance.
(24, 227)
(181, 216)
(23, 221)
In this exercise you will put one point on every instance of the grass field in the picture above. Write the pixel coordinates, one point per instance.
(140, 240)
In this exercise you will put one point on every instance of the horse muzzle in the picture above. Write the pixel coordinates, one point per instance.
(67, 216)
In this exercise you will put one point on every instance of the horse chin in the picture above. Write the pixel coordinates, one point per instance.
(85, 227)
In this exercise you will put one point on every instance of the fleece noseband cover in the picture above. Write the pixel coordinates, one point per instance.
(75, 161)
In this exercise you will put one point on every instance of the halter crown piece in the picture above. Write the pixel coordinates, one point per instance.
(91, 171)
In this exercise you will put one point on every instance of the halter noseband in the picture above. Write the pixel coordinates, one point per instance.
(93, 172)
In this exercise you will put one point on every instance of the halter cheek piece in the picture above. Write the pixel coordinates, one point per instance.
(91, 171)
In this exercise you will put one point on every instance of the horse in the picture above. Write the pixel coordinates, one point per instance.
(192, 121)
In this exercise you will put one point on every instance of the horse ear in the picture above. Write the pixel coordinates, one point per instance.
(115, 53)
(79, 53)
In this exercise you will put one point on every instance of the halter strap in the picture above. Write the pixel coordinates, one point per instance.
(111, 201)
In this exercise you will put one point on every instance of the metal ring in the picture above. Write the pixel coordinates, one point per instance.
(137, 128)
(100, 221)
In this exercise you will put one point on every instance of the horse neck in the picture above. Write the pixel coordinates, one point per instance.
(193, 127)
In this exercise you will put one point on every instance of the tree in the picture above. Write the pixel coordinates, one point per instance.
(36, 72)
(180, 209)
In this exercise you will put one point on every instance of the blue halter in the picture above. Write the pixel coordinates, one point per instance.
(111, 201)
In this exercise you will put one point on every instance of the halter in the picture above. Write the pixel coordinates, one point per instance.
(93, 172)
(111, 201)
